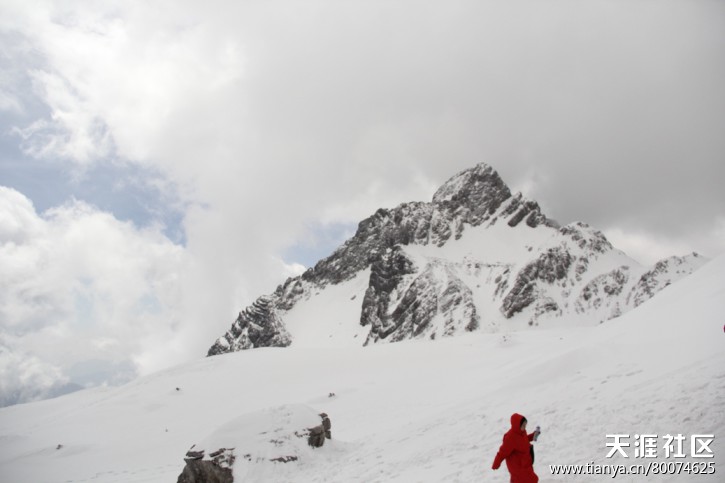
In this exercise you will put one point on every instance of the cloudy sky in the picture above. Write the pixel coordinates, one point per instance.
(164, 163)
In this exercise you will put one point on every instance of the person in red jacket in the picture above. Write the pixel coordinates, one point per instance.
(516, 449)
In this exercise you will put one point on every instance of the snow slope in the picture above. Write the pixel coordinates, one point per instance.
(408, 412)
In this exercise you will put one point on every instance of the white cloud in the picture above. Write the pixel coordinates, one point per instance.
(79, 284)
(113, 78)
(24, 377)
(644, 247)
(75, 131)
(650, 247)
(18, 220)
(293, 269)
(8, 102)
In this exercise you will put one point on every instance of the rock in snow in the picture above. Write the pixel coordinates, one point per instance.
(476, 257)
(242, 448)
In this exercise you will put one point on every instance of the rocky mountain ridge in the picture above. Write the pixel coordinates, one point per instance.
(476, 257)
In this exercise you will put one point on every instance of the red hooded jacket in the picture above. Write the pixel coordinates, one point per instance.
(515, 450)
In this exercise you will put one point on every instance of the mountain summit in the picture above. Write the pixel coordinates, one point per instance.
(476, 257)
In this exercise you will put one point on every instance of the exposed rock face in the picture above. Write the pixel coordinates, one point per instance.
(386, 274)
(613, 293)
(436, 303)
(200, 471)
(586, 238)
(257, 326)
(216, 469)
(551, 266)
(664, 273)
(601, 290)
(421, 285)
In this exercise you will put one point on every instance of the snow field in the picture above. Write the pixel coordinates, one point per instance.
(416, 411)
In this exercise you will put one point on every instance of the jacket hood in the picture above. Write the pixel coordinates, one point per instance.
(516, 419)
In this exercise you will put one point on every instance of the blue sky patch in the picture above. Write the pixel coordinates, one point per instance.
(320, 242)
(125, 190)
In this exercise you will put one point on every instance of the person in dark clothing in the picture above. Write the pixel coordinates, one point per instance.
(516, 450)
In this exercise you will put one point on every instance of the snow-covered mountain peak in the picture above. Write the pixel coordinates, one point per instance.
(586, 237)
(477, 182)
(475, 258)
